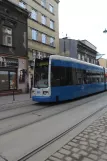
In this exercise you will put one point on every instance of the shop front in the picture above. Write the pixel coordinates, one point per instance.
(8, 74)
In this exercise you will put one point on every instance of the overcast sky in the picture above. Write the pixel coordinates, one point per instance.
(84, 19)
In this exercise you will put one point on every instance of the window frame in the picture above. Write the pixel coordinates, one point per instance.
(23, 4)
(34, 15)
(44, 38)
(7, 35)
(34, 34)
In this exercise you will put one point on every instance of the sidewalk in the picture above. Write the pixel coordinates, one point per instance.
(21, 99)
(89, 145)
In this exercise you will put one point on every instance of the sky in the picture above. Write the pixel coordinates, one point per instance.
(84, 19)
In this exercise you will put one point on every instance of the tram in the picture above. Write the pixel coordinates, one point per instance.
(59, 78)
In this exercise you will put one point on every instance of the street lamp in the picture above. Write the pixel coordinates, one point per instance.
(105, 31)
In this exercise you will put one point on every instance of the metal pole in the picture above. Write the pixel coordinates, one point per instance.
(13, 95)
(34, 73)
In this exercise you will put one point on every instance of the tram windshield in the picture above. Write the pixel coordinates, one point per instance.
(41, 73)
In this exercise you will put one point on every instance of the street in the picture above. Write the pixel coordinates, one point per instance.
(27, 128)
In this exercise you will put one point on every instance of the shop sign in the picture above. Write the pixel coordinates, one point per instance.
(8, 62)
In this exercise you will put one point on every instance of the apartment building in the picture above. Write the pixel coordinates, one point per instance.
(78, 49)
(13, 48)
(43, 27)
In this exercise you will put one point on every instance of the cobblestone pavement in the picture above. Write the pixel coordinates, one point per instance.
(89, 145)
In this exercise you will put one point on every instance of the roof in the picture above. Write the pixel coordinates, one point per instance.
(73, 60)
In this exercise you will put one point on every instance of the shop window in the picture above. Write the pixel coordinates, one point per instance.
(13, 78)
(4, 80)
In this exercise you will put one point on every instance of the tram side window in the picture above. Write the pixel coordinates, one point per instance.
(102, 77)
(58, 76)
(79, 74)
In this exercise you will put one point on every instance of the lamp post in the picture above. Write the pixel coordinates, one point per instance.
(34, 59)
(105, 31)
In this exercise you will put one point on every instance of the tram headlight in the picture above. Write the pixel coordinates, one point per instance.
(45, 92)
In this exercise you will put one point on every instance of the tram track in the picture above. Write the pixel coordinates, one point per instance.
(43, 107)
(35, 151)
(58, 111)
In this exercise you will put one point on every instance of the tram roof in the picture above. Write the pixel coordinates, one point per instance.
(58, 57)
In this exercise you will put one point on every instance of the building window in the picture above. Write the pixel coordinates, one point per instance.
(7, 36)
(79, 56)
(88, 59)
(44, 38)
(51, 8)
(22, 4)
(51, 24)
(52, 40)
(83, 57)
(94, 61)
(44, 19)
(34, 35)
(34, 14)
(43, 3)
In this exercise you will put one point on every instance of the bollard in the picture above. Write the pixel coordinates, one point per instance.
(30, 92)
(13, 95)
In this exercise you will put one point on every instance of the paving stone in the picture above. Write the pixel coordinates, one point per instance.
(83, 139)
(64, 151)
(68, 159)
(102, 144)
(93, 141)
(83, 143)
(76, 156)
(58, 155)
(73, 144)
(84, 153)
(86, 136)
(93, 145)
(102, 148)
(93, 156)
(67, 147)
(101, 140)
(105, 134)
(78, 137)
(81, 134)
(104, 156)
(83, 147)
(101, 160)
(87, 159)
(75, 141)
(54, 159)
(75, 150)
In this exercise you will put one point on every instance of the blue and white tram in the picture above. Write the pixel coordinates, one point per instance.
(59, 78)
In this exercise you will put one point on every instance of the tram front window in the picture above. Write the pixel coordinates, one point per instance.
(41, 74)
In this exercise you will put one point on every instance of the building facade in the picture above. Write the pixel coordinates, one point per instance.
(13, 47)
(43, 28)
(82, 50)
(103, 62)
